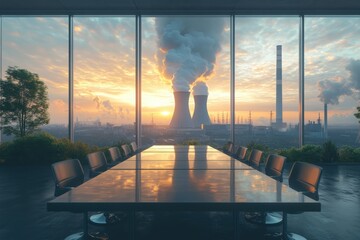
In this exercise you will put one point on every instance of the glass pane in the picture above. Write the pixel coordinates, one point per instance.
(266, 85)
(104, 80)
(40, 45)
(332, 50)
(185, 80)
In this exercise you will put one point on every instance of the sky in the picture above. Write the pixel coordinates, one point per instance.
(104, 65)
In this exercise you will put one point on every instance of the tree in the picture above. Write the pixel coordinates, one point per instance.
(357, 115)
(23, 102)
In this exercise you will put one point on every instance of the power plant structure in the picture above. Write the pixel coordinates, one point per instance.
(325, 121)
(279, 124)
(201, 115)
(181, 118)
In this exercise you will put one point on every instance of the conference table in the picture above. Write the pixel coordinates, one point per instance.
(182, 178)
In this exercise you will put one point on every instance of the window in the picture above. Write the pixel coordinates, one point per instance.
(185, 80)
(332, 63)
(104, 80)
(266, 84)
(40, 45)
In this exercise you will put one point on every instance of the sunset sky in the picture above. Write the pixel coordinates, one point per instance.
(104, 66)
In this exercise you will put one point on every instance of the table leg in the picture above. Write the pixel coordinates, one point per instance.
(132, 224)
(284, 230)
(85, 226)
(236, 224)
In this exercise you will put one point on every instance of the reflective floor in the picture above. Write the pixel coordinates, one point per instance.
(24, 192)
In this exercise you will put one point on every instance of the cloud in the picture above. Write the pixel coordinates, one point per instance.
(354, 69)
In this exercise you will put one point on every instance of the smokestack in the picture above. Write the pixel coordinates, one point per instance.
(181, 118)
(325, 120)
(201, 115)
(279, 113)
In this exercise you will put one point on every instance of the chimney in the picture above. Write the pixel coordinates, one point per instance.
(181, 118)
(201, 115)
(325, 121)
(279, 113)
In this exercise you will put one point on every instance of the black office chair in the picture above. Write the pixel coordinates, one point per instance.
(69, 174)
(115, 156)
(97, 163)
(134, 147)
(274, 167)
(127, 150)
(304, 177)
(241, 153)
(230, 148)
(255, 158)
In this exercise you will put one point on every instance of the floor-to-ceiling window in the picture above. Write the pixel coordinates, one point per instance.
(40, 46)
(185, 79)
(332, 77)
(104, 79)
(187, 58)
(266, 80)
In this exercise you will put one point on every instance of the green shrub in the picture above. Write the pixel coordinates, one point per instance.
(308, 153)
(329, 152)
(42, 148)
(349, 154)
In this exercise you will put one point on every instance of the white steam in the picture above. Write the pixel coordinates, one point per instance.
(188, 48)
(200, 88)
(330, 91)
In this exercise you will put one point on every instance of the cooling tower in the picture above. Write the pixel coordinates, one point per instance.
(201, 115)
(181, 117)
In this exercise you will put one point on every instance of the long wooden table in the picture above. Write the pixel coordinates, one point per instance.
(183, 178)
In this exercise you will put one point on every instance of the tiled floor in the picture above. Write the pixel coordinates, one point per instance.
(24, 192)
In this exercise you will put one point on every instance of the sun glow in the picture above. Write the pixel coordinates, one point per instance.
(165, 113)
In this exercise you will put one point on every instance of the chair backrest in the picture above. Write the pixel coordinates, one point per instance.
(115, 154)
(274, 166)
(134, 146)
(241, 153)
(126, 149)
(305, 177)
(230, 148)
(67, 174)
(97, 163)
(255, 157)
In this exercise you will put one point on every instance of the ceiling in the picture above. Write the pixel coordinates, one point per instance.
(163, 7)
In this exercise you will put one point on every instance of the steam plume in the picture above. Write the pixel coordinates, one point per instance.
(330, 91)
(188, 48)
(200, 88)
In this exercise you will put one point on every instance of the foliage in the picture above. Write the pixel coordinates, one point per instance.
(42, 148)
(357, 115)
(349, 154)
(23, 102)
(308, 153)
(253, 145)
(329, 152)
